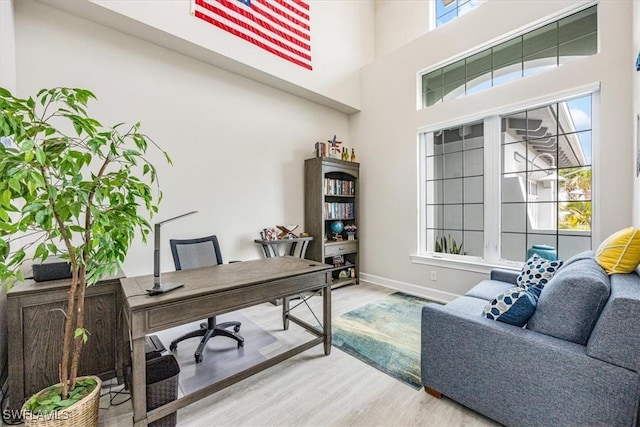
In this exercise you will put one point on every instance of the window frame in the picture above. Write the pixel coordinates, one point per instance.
(492, 162)
(489, 45)
(433, 22)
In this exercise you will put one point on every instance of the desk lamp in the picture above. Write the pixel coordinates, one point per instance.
(158, 286)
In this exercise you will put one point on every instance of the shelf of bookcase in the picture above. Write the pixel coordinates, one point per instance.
(343, 282)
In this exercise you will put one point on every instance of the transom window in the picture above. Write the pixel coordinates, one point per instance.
(538, 193)
(559, 42)
(447, 10)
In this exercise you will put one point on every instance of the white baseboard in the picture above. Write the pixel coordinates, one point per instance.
(409, 288)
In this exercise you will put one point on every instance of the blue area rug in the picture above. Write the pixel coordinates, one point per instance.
(384, 334)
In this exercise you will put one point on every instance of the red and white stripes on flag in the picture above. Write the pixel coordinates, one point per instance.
(277, 26)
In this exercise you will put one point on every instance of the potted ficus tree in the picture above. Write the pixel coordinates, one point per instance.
(73, 188)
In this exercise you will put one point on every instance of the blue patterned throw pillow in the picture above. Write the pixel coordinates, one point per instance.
(514, 306)
(537, 271)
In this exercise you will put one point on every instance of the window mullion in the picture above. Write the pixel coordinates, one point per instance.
(492, 164)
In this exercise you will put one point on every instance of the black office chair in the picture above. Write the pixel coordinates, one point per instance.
(202, 252)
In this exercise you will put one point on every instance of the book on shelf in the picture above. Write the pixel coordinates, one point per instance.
(338, 187)
(333, 210)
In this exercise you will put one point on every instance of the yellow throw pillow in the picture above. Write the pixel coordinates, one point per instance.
(620, 252)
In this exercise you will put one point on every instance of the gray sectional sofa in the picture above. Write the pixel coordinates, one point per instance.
(575, 363)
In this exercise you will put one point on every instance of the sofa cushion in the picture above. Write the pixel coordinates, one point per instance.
(515, 306)
(620, 252)
(569, 305)
(537, 270)
(488, 289)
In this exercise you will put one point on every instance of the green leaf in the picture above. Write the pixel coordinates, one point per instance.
(81, 332)
(14, 184)
(41, 216)
(41, 157)
(66, 403)
(41, 251)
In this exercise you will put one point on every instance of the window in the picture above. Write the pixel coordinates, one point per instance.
(538, 192)
(549, 147)
(447, 10)
(455, 186)
(557, 43)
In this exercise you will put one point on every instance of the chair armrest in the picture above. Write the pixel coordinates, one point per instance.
(504, 275)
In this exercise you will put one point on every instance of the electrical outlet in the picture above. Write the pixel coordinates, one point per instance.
(434, 276)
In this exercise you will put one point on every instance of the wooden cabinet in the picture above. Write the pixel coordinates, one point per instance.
(331, 198)
(35, 326)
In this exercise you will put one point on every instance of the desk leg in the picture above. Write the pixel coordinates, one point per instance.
(139, 383)
(285, 313)
(326, 318)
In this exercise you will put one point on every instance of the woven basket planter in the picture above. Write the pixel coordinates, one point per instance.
(82, 413)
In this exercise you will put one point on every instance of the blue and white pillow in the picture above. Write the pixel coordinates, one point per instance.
(537, 271)
(514, 306)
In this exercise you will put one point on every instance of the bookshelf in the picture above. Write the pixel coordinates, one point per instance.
(331, 196)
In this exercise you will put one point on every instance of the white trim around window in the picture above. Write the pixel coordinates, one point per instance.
(492, 162)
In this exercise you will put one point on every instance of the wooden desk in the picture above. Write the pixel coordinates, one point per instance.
(216, 290)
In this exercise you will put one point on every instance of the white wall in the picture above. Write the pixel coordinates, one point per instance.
(385, 131)
(399, 22)
(636, 103)
(237, 146)
(8, 81)
(341, 42)
(7, 46)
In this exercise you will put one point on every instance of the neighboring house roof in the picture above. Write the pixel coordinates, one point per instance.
(540, 128)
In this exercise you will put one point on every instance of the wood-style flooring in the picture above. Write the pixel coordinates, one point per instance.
(309, 389)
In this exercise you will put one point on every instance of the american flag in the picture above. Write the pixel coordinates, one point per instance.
(277, 26)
